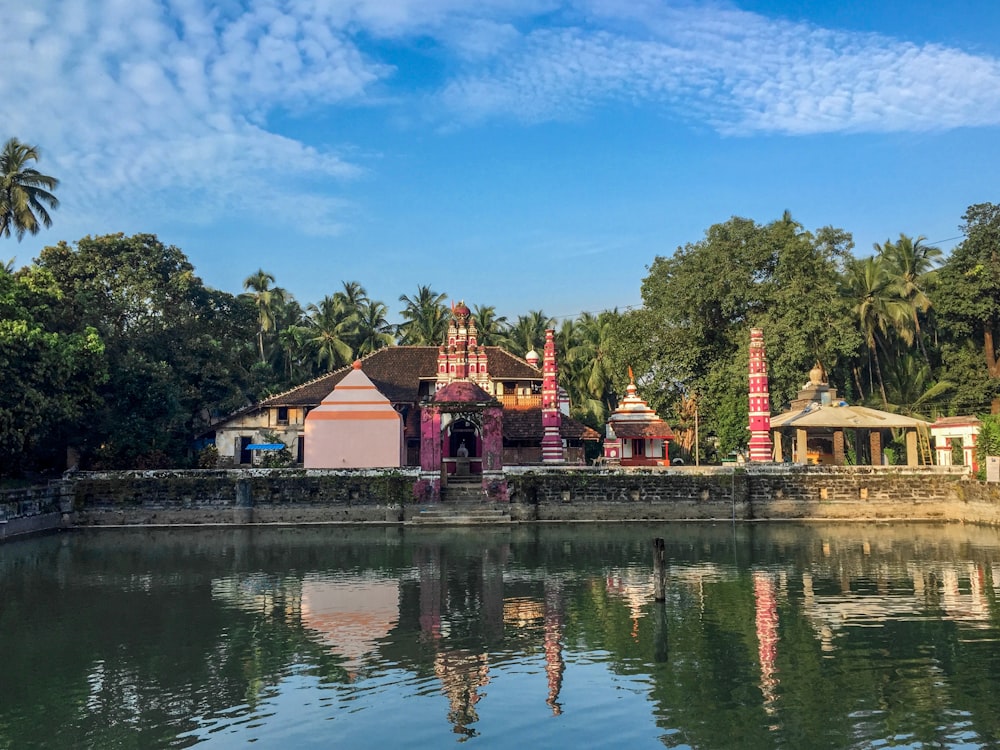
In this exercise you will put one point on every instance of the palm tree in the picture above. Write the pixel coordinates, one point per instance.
(332, 326)
(528, 331)
(879, 308)
(24, 191)
(373, 330)
(425, 318)
(912, 263)
(492, 328)
(267, 300)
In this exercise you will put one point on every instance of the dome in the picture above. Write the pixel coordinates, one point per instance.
(462, 391)
(531, 358)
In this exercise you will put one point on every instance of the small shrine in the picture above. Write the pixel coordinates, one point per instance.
(635, 435)
(354, 427)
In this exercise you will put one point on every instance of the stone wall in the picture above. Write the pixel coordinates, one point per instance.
(35, 509)
(754, 492)
(296, 496)
(241, 496)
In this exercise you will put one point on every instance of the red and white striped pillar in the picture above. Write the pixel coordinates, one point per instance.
(761, 448)
(552, 448)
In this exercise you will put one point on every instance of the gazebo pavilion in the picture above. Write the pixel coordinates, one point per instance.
(818, 422)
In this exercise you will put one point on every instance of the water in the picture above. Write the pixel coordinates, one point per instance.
(791, 636)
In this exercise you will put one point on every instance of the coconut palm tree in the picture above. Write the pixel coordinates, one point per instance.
(879, 308)
(331, 328)
(373, 330)
(912, 263)
(492, 328)
(267, 300)
(24, 191)
(425, 318)
(528, 332)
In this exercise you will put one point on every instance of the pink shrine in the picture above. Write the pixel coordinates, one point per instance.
(635, 434)
(461, 426)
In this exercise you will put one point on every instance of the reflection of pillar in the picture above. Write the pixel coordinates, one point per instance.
(760, 400)
(428, 560)
(766, 620)
(491, 606)
(555, 666)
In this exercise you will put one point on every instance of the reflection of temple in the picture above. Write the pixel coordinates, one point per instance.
(461, 631)
(351, 614)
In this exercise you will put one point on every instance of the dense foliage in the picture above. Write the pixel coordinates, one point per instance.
(115, 349)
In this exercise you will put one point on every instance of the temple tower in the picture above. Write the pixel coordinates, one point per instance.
(552, 448)
(761, 448)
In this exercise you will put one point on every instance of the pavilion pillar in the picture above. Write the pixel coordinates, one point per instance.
(776, 440)
(875, 442)
(912, 457)
(801, 454)
(838, 447)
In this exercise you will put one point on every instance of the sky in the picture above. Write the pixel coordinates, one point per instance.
(525, 154)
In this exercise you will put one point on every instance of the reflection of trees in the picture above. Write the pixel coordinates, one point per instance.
(794, 636)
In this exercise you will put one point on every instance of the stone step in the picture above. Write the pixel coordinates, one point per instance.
(461, 514)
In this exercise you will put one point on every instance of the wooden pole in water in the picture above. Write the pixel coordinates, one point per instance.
(659, 569)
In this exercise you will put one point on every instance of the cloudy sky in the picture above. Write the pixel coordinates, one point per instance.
(529, 154)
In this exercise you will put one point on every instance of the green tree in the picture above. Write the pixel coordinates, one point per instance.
(332, 326)
(492, 327)
(268, 300)
(373, 328)
(425, 318)
(880, 310)
(691, 336)
(51, 375)
(528, 332)
(176, 351)
(24, 191)
(968, 304)
(912, 264)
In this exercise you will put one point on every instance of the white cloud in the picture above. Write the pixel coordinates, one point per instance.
(740, 72)
(138, 98)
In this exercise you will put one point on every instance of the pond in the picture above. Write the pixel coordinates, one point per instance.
(783, 635)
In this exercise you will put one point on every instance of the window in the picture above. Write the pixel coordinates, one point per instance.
(282, 415)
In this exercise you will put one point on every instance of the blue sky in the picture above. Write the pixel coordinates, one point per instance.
(528, 154)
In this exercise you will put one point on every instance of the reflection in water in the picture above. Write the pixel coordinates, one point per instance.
(796, 636)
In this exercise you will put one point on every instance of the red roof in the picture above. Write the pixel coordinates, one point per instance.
(642, 430)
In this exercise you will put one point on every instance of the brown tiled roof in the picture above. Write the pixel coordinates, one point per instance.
(526, 424)
(642, 430)
(397, 370)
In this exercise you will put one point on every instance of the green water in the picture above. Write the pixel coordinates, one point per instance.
(543, 636)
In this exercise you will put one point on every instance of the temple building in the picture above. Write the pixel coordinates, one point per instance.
(815, 429)
(354, 427)
(462, 406)
(635, 435)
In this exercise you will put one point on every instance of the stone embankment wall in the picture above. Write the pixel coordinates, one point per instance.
(536, 494)
(35, 509)
(856, 493)
(241, 496)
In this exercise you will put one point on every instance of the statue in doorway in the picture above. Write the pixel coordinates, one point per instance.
(462, 452)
